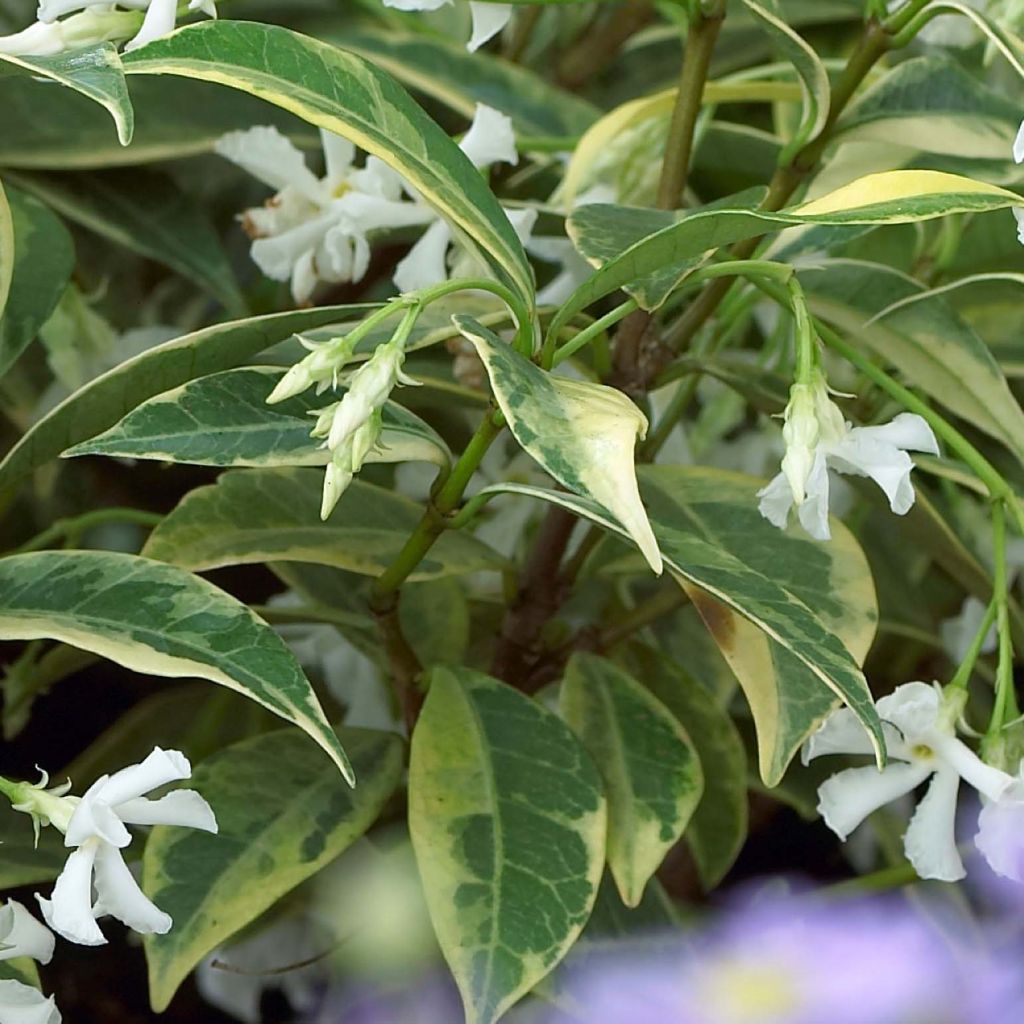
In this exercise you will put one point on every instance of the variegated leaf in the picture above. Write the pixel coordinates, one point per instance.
(273, 515)
(282, 818)
(651, 770)
(507, 816)
(224, 420)
(583, 434)
(156, 619)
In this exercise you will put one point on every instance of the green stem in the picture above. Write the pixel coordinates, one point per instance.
(665, 601)
(434, 523)
(1005, 707)
(11, 790)
(300, 614)
(963, 673)
(700, 45)
(524, 322)
(587, 335)
(67, 529)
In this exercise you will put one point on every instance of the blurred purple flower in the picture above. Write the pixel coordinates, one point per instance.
(436, 1001)
(790, 961)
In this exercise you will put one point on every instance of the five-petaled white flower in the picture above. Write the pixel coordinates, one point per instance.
(96, 829)
(818, 439)
(918, 723)
(315, 229)
(488, 18)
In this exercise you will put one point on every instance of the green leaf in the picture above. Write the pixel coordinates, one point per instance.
(347, 95)
(156, 619)
(583, 434)
(508, 821)
(174, 118)
(925, 340)
(282, 815)
(144, 211)
(224, 420)
(95, 72)
(890, 197)
(651, 771)
(6, 248)
(273, 515)
(24, 863)
(935, 105)
(793, 617)
(103, 401)
(444, 71)
(43, 258)
(21, 969)
(718, 828)
(812, 73)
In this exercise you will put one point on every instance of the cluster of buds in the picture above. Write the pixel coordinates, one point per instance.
(350, 428)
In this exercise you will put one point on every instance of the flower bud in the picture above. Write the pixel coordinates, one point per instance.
(800, 433)
(45, 38)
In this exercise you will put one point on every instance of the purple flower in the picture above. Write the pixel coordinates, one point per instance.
(793, 961)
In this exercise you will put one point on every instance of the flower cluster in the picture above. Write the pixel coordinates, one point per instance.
(97, 21)
(818, 439)
(919, 722)
(488, 18)
(318, 229)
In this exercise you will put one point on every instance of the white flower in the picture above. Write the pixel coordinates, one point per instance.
(43, 39)
(488, 19)
(490, 140)
(96, 829)
(23, 1004)
(22, 935)
(315, 229)
(921, 742)
(819, 439)
(574, 269)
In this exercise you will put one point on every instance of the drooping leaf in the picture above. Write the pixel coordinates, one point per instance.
(348, 95)
(156, 619)
(95, 72)
(103, 401)
(507, 820)
(651, 769)
(273, 515)
(224, 420)
(38, 256)
(583, 434)
(146, 212)
(282, 816)
(718, 828)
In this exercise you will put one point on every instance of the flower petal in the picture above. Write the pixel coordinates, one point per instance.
(184, 807)
(22, 935)
(488, 21)
(161, 17)
(930, 841)
(849, 796)
(844, 733)
(426, 262)
(278, 255)
(339, 153)
(159, 768)
(990, 782)
(813, 510)
(907, 430)
(1018, 145)
(913, 708)
(69, 911)
(95, 818)
(118, 894)
(859, 454)
(268, 156)
(776, 501)
(1000, 835)
(23, 1004)
(491, 138)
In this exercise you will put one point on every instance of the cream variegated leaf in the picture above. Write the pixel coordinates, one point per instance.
(583, 434)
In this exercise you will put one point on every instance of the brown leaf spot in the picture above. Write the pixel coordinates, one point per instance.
(718, 617)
